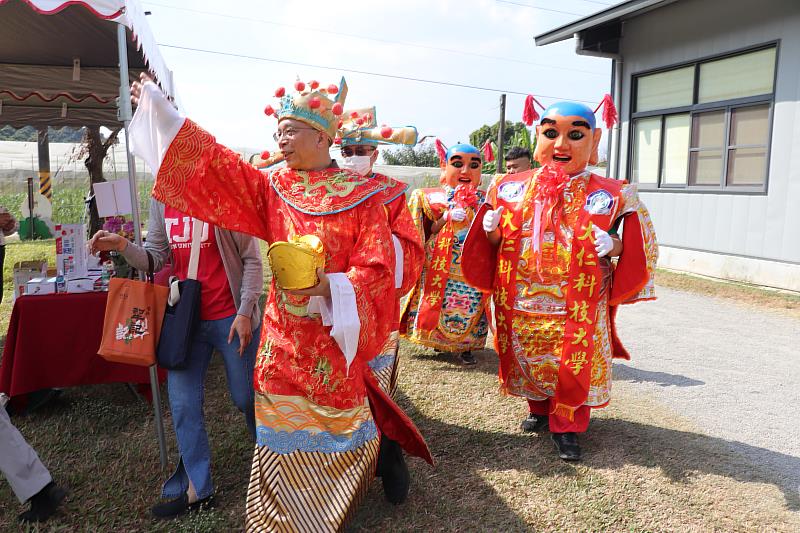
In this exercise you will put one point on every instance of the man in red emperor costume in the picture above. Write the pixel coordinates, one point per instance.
(552, 233)
(359, 137)
(319, 413)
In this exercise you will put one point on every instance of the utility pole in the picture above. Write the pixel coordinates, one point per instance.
(501, 133)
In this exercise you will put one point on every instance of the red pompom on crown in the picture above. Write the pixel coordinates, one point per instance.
(337, 110)
(386, 132)
(264, 155)
(269, 110)
(332, 89)
(314, 102)
(313, 84)
(299, 85)
(279, 92)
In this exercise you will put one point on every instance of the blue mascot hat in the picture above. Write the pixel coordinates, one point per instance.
(461, 147)
(569, 109)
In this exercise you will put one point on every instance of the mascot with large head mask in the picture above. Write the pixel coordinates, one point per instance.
(443, 312)
(544, 245)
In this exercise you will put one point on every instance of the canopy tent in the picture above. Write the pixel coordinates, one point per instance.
(70, 63)
(63, 70)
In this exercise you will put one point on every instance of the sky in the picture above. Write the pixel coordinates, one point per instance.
(485, 43)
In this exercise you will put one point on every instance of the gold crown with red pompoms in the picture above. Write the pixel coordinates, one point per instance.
(319, 107)
(360, 127)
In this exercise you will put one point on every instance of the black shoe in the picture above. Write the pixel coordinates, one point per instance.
(44, 503)
(535, 423)
(179, 506)
(393, 471)
(567, 445)
(468, 358)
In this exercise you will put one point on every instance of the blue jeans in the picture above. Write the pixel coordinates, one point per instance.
(186, 396)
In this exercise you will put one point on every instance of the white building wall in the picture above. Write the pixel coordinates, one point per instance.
(761, 227)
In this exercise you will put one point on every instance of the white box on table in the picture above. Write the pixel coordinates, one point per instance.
(41, 286)
(24, 271)
(71, 253)
(78, 285)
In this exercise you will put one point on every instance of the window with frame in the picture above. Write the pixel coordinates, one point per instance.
(705, 126)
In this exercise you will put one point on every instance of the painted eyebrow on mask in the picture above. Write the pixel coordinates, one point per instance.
(547, 121)
(455, 157)
(582, 123)
(478, 159)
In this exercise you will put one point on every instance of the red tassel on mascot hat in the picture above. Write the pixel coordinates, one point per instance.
(609, 111)
(529, 114)
(441, 151)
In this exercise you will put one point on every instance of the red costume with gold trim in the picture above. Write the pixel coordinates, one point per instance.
(444, 311)
(307, 400)
(555, 324)
(359, 133)
(558, 270)
(385, 365)
(318, 407)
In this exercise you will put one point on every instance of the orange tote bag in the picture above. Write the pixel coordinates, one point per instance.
(132, 325)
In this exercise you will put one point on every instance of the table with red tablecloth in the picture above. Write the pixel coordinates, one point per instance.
(52, 342)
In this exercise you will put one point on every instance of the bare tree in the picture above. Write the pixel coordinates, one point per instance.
(95, 149)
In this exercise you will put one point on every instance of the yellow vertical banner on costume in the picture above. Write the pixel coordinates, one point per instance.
(431, 305)
(506, 280)
(582, 298)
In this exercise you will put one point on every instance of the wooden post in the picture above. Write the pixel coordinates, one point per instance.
(501, 133)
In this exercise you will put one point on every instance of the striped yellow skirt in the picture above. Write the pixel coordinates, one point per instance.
(312, 465)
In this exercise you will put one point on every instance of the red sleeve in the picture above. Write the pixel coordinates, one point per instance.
(406, 232)
(211, 182)
(371, 273)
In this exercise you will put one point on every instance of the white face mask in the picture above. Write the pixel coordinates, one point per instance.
(361, 164)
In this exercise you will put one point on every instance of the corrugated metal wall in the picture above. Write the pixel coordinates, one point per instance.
(765, 227)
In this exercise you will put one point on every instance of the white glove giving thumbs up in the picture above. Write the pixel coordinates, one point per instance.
(492, 219)
(602, 242)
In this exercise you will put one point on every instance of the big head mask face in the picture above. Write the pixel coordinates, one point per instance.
(463, 166)
(567, 137)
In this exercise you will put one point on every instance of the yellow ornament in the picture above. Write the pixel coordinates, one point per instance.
(294, 264)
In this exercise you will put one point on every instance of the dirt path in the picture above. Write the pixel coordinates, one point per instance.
(730, 368)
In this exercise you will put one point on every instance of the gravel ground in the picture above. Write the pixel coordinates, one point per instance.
(732, 370)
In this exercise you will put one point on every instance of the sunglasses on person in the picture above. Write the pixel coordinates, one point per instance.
(350, 151)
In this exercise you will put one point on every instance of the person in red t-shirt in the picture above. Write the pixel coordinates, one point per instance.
(232, 280)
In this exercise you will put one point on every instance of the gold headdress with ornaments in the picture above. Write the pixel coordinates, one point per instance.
(319, 107)
(359, 126)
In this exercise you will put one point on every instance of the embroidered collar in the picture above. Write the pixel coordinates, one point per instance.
(323, 192)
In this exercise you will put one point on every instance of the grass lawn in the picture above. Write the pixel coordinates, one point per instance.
(646, 469)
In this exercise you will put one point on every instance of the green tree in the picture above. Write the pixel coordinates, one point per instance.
(419, 156)
(479, 136)
(516, 134)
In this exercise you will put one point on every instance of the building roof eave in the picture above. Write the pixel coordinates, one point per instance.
(612, 15)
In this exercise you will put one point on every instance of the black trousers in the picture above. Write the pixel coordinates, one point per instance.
(2, 262)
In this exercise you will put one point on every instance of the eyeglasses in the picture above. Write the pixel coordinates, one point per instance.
(350, 151)
(288, 132)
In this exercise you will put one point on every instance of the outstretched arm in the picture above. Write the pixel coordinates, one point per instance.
(194, 173)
